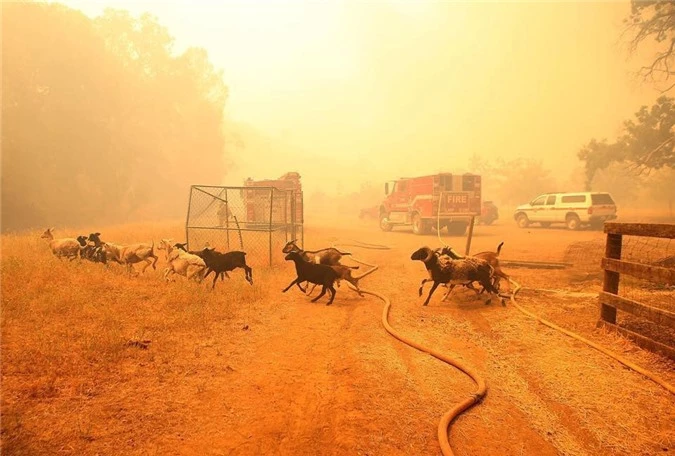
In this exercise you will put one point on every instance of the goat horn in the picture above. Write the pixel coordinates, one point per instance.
(429, 253)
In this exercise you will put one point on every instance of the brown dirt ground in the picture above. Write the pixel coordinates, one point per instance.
(248, 370)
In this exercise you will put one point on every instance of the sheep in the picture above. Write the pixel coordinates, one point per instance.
(128, 254)
(444, 270)
(220, 263)
(491, 257)
(91, 252)
(181, 262)
(319, 274)
(65, 247)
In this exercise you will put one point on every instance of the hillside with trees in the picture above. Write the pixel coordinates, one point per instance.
(101, 119)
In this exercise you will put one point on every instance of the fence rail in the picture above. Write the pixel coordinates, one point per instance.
(609, 299)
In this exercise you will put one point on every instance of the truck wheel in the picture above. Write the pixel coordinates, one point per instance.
(523, 221)
(457, 228)
(384, 223)
(573, 222)
(419, 226)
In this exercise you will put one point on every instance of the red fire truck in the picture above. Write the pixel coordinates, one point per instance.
(444, 199)
(258, 202)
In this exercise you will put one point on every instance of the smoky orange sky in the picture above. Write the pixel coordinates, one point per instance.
(347, 92)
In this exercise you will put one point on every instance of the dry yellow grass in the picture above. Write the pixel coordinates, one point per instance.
(65, 328)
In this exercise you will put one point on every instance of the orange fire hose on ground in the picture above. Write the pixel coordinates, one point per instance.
(450, 415)
(479, 394)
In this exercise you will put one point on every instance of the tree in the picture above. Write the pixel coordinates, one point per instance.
(647, 143)
(101, 121)
(654, 20)
(514, 181)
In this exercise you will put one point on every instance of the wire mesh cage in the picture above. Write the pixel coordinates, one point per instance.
(257, 220)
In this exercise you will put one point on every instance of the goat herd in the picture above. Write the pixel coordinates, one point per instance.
(320, 267)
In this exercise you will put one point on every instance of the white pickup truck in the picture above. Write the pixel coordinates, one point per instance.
(572, 209)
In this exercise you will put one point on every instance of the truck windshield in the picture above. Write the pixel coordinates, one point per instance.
(602, 198)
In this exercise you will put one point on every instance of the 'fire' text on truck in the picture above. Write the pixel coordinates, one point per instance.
(444, 199)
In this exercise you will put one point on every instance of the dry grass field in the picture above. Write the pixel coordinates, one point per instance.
(248, 370)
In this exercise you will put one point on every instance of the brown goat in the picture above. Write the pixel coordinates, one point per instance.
(345, 273)
(329, 255)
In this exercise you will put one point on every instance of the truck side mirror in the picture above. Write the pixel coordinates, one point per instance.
(386, 188)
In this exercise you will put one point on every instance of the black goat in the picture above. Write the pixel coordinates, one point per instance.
(94, 237)
(91, 252)
(219, 263)
(445, 270)
(319, 274)
(329, 256)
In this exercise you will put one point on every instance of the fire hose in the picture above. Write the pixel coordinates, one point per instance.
(650, 375)
(479, 394)
(450, 415)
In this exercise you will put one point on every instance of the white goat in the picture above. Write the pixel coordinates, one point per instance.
(131, 254)
(66, 247)
(182, 262)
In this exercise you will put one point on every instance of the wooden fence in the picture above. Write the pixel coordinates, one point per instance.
(609, 298)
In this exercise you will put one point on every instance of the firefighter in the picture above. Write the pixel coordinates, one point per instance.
(224, 213)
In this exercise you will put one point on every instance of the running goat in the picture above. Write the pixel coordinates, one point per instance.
(319, 274)
(329, 256)
(91, 252)
(66, 247)
(220, 263)
(444, 270)
(490, 257)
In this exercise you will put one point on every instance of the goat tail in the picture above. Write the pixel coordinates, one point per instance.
(499, 247)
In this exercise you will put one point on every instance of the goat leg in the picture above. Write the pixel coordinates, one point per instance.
(323, 292)
(332, 295)
(433, 288)
(471, 287)
(146, 263)
(422, 285)
(450, 288)
(295, 281)
(355, 282)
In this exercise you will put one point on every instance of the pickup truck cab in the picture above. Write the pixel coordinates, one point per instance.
(572, 209)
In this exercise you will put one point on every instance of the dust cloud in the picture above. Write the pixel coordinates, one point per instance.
(110, 114)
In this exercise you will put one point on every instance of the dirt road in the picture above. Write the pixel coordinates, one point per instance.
(280, 375)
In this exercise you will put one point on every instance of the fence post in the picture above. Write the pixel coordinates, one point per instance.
(187, 219)
(270, 225)
(611, 280)
(470, 236)
(227, 220)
